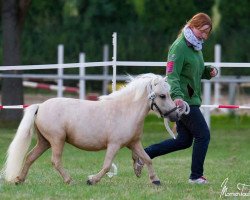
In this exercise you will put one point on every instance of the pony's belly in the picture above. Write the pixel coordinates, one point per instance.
(88, 147)
(87, 143)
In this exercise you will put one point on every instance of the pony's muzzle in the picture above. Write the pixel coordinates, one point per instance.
(172, 114)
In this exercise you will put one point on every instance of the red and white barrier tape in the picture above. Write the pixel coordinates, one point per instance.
(225, 106)
(49, 87)
(202, 106)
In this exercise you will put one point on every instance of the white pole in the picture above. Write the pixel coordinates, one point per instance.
(105, 70)
(82, 73)
(217, 59)
(207, 95)
(60, 58)
(114, 58)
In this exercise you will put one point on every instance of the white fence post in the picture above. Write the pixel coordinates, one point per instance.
(60, 58)
(217, 60)
(207, 96)
(114, 58)
(232, 95)
(82, 73)
(105, 70)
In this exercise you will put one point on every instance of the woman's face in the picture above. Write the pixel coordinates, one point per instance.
(202, 33)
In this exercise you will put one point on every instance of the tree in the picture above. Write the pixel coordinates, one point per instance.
(234, 31)
(13, 15)
(145, 30)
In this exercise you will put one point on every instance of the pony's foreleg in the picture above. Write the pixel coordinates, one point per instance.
(110, 154)
(137, 148)
(36, 152)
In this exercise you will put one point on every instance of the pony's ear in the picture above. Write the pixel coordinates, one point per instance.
(166, 78)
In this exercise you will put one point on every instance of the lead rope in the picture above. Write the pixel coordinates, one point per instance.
(184, 111)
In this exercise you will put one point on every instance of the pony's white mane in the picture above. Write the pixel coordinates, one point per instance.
(136, 87)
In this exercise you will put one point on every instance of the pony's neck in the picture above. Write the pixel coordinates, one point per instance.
(138, 109)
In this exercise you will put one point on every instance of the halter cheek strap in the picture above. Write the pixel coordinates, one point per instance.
(152, 96)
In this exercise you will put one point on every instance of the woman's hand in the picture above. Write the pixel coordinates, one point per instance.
(179, 103)
(213, 72)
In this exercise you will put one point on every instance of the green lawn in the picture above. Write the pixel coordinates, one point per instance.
(228, 157)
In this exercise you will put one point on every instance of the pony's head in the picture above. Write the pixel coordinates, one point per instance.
(159, 99)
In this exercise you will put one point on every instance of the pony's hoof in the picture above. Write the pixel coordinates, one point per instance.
(89, 182)
(68, 181)
(18, 181)
(156, 183)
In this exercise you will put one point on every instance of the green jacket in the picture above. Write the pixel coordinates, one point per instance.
(185, 69)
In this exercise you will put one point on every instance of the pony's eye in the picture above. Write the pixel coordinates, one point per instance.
(162, 96)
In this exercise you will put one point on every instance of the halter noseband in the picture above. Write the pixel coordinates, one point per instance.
(152, 97)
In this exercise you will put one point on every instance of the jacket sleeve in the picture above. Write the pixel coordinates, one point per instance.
(206, 73)
(174, 67)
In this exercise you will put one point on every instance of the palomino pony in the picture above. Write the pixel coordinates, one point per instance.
(113, 122)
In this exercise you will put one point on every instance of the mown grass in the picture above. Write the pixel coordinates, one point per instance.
(228, 157)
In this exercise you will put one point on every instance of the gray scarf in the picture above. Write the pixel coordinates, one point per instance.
(192, 39)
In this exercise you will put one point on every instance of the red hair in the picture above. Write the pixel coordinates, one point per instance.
(199, 20)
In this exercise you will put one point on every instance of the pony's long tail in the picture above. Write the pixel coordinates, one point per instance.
(20, 145)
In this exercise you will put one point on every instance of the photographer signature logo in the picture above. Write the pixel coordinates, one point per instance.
(243, 190)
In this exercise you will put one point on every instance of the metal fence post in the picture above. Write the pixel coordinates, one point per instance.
(232, 95)
(105, 70)
(207, 96)
(114, 58)
(60, 58)
(82, 81)
(217, 60)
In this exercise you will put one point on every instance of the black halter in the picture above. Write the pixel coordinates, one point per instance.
(153, 104)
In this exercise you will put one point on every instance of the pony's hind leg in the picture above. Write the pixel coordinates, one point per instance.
(139, 151)
(41, 146)
(57, 149)
(110, 154)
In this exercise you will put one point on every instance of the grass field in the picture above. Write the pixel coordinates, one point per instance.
(228, 157)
